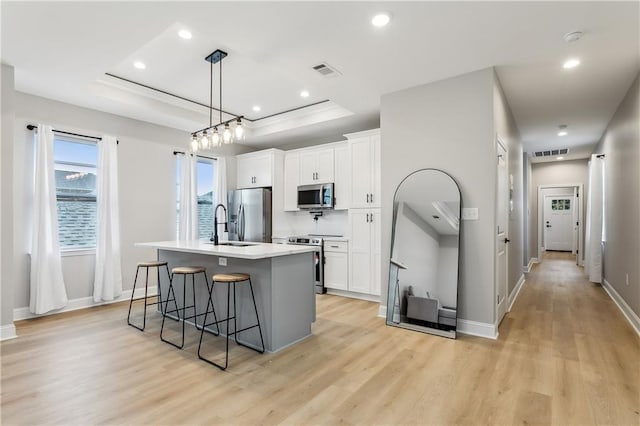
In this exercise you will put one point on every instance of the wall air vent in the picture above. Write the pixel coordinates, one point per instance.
(327, 70)
(551, 152)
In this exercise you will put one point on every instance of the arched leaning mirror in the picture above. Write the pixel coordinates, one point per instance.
(423, 272)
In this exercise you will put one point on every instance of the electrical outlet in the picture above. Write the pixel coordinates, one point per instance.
(469, 213)
(222, 261)
(627, 278)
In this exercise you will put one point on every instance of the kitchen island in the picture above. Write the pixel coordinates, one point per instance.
(282, 277)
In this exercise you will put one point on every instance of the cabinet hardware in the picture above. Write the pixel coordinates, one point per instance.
(367, 197)
(334, 246)
(371, 218)
(367, 217)
(371, 198)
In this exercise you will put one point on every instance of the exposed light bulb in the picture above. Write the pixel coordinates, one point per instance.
(194, 143)
(204, 140)
(215, 138)
(226, 135)
(239, 130)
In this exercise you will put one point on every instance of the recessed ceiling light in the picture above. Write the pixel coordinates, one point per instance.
(563, 133)
(380, 20)
(185, 34)
(256, 108)
(559, 158)
(140, 65)
(571, 63)
(304, 94)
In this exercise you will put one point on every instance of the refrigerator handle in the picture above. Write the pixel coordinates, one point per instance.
(241, 222)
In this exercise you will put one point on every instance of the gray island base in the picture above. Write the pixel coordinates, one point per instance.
(282, 278)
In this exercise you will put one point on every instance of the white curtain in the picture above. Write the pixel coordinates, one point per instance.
(107, 283)
(47, 291)
(220, 189)
(595, 220)
(188, 217)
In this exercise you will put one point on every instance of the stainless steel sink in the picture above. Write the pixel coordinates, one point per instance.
(233, 244)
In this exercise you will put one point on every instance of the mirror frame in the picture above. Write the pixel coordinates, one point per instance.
(389, 313)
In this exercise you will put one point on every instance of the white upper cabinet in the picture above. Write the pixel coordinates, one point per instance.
(291, 176)
(256, 169)
(316, 166)
(342, 165)
(364, 148)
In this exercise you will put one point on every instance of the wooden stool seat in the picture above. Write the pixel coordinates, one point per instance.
(230, 278)
(152, 263)
(184, 270)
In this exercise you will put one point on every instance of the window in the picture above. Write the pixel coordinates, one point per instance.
(75, 175)
(205, 174)
(204, 189)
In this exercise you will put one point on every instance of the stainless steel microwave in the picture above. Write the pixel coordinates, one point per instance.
(318, 196)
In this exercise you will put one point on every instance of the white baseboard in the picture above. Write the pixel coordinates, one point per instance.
(82, 303)
(631, 316)
(479, 329)
(382, 311)
(8, 332)
(514, 294)
(361, 296)
(532, 261)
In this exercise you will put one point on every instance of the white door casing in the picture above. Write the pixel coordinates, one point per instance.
(558, 222)
(502, 205)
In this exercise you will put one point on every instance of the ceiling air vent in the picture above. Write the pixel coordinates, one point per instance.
(326, 70)
(551, 152)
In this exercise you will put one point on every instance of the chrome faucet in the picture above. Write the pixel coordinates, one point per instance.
(214, 237)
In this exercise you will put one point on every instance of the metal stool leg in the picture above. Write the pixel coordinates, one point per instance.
(177, 311)
(135, 280)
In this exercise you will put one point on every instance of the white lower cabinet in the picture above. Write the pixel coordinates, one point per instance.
(336, 265)
(364, 251)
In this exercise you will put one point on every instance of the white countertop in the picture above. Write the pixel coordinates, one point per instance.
(253, 251)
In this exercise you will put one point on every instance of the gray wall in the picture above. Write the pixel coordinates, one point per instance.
(554, 173)
(506, 129)
(146, 178)
(6, 198)
(621, 145)
(447, 125)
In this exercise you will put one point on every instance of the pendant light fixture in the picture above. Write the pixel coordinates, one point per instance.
(221, 133)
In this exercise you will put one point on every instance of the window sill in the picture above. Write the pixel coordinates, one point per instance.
(78, 252)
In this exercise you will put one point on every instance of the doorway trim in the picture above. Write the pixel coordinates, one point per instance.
(504, 302)
(580, 205)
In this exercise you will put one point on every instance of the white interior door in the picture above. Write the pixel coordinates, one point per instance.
(502, 200)
(558, 222)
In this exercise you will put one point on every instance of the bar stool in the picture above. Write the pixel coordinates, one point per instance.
(230, 279)
(150, 264)
(184, 271)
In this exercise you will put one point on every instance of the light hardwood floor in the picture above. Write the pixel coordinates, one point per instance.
(565, 355)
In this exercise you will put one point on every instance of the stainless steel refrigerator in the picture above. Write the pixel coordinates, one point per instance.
(249, 212)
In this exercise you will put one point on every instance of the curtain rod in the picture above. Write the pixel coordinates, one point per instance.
(201, 156)
(600, 156)
(33, 127)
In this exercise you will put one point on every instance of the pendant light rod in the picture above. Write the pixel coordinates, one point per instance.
(222, 123)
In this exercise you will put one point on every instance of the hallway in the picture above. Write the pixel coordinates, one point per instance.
(571, 342)
(565, 355)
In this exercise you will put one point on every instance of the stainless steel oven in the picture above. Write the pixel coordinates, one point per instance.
(318, 258)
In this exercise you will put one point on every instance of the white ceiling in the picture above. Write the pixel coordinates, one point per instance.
(63, 50)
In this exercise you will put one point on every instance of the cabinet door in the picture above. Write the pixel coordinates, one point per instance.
(376, 252)
(262, 170)
(360, 251)
(324, 166)
(341, 177)
(336, 270)
(308, 168)
(360, 172)
(244, 172)
(375, 172)
(291, 176)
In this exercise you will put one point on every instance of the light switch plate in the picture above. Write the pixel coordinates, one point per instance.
(469, 213)
(222, 261)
